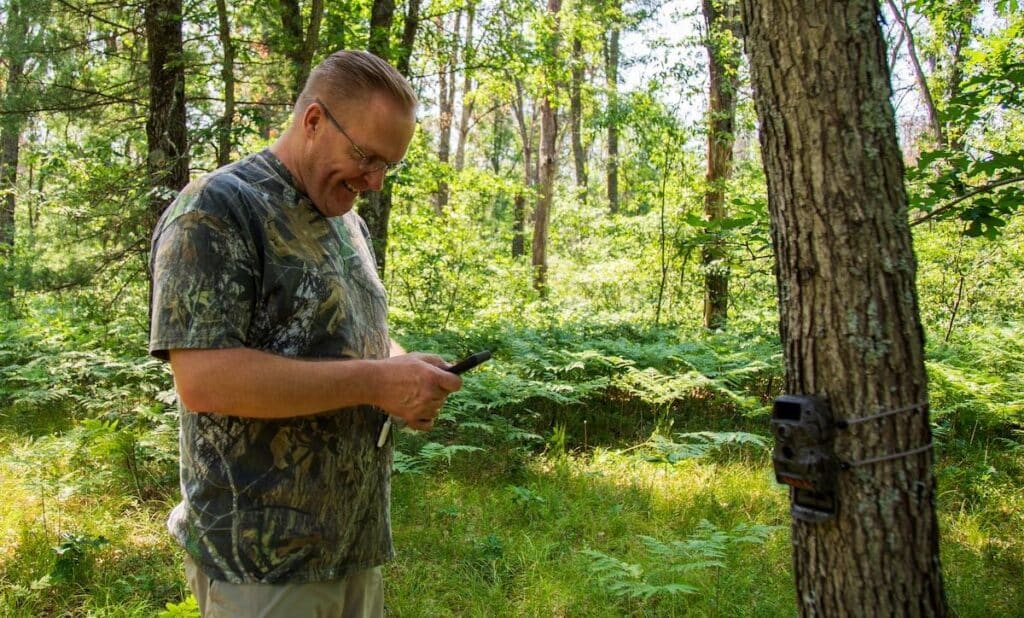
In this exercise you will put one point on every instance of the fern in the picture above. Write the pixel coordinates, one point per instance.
(427, 455)
(698, 444)
(706, 550)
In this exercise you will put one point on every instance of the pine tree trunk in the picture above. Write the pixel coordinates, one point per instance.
(466, 117)
(446, 112)
(375, 207)
(548, 160)
(166, 133)
(409, 30)
(579, 155)
(228, 75)
(612, 78)
(849, 319)
(11, 125)
(529, 172)
(300, 44)
(382, 15)
(723, 32)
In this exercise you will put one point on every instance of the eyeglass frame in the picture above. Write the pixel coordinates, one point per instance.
(365, 161)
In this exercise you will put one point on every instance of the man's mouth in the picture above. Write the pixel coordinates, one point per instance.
(349, 187)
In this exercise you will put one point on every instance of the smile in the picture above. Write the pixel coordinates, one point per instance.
(349, 187)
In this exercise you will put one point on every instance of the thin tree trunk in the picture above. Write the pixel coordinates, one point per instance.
(382, 15)
(723, 35)
(529, 173)
(412, 24)
(375, 207)
(446, 111)
(612, 80)
(228, 75)
(11, 125)
(548, 161)
(922, 82)
(466, 117)
(579, 155)
(954, 134)
(166, 133)
(300, 44)
(849, 319)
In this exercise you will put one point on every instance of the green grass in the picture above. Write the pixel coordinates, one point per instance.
(522, 527)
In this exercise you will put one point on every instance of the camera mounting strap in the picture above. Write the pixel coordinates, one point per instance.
(846, 465)
(843, 424)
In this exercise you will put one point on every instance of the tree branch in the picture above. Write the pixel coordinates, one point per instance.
(977, 191)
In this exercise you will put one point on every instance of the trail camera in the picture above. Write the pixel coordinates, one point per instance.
(803, 455)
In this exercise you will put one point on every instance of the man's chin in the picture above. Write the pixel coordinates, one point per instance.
(337, 206)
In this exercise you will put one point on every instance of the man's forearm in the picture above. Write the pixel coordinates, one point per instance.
(251, 383)
(248, 382)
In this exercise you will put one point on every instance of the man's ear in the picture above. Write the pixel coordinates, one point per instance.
(312, 119)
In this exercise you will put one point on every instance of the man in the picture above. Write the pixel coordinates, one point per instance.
(267, 303)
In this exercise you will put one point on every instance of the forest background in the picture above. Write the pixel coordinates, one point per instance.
(557, 206)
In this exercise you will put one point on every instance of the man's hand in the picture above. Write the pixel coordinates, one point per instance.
(415, 388)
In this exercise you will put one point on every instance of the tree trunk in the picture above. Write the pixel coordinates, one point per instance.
(166, 134)
(412, 25)
(922, 82)
(579, 154)
(529, 172)
(446, 110)
(953, 132)
(11, 125)
(548, 160)
(849, 319)
(612, 79)
(723, 36)
(228, 75)
(519, 225)
(300, 45)
(466, 118)
(375, 207)
(382, 15)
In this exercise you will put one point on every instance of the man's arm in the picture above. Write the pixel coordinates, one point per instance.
(251, 383)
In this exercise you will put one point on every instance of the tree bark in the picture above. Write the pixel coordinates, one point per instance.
(382, 15)
(548, 159)
(722, 44)
(612, 81)
(922, 82)
(849, 319)
(166, 133)
(375, 207)
(579, 154)
(409, 30)
(300, 44)
(529, 172)
(446, 109)
(11, 126)
(228, 75)
(466, 117)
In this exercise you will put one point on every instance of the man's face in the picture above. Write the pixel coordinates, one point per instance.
(347, 147)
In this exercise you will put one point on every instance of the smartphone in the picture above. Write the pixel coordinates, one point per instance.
(469, 362)
(460, 367)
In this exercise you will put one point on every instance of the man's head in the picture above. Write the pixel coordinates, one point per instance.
(352, 123)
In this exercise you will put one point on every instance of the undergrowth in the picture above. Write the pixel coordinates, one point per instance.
(587, 469)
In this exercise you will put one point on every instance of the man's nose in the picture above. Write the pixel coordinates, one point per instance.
(375, 179)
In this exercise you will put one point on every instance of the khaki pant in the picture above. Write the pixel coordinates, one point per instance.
(360, 595)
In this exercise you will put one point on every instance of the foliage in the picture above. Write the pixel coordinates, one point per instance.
(608, 418)
(708, 548)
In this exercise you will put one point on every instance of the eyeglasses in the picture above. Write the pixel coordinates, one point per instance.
(366, 163)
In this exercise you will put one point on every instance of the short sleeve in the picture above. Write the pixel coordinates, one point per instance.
(203, 285)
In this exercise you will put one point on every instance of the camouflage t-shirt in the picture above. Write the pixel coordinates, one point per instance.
(242, 259)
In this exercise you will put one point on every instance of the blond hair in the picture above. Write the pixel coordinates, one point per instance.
(352, 76)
